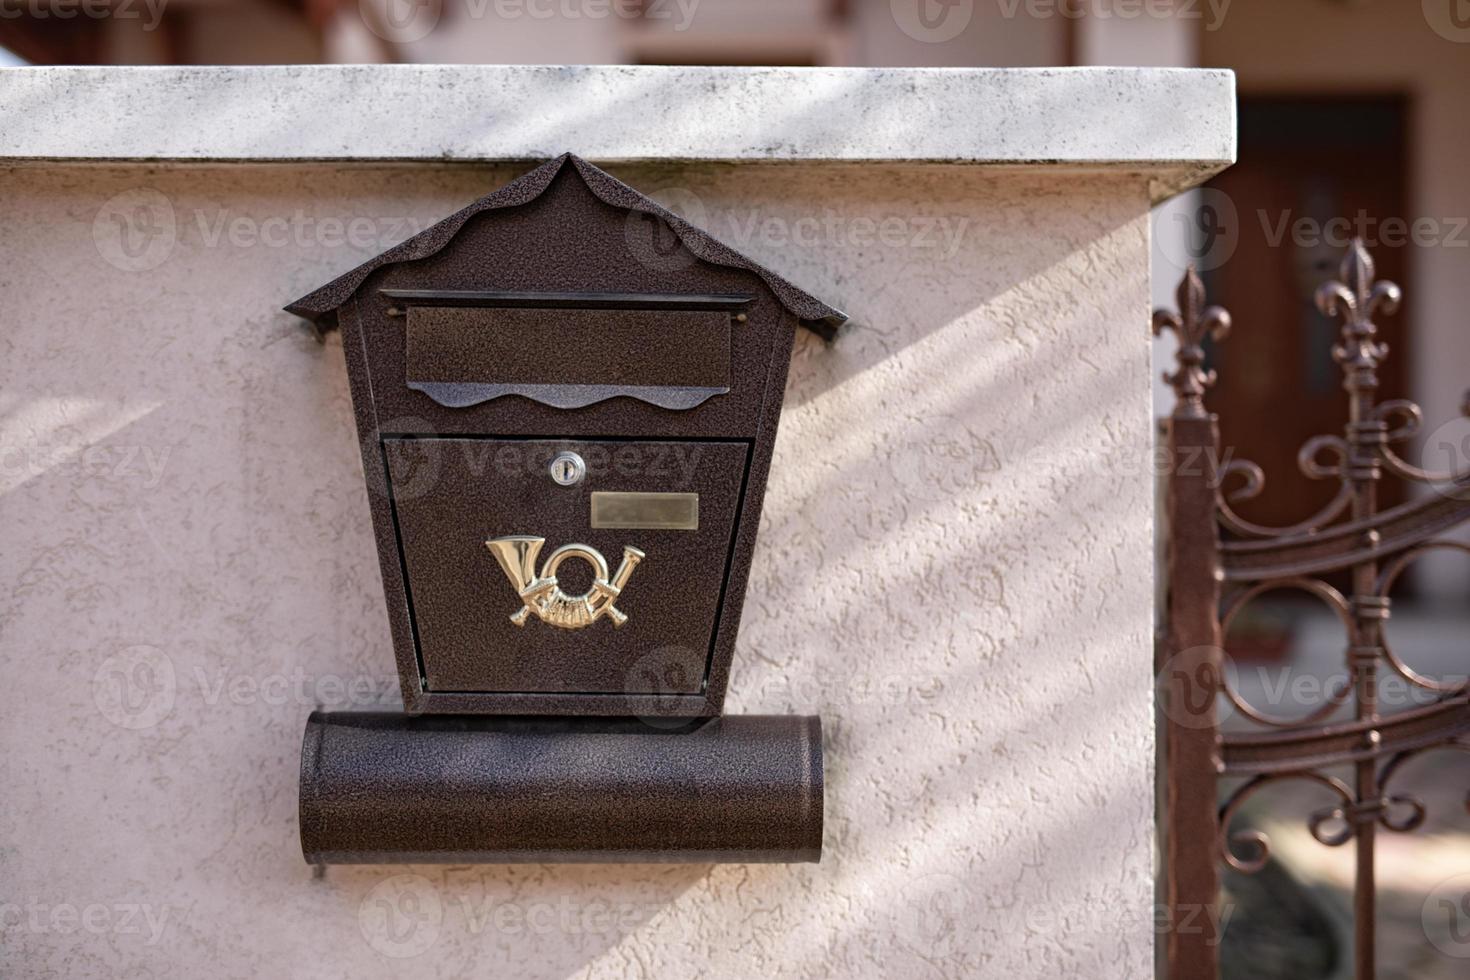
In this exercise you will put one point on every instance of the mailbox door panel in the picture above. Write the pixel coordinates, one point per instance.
(478, 629)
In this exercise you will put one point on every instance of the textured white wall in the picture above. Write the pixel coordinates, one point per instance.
(954, 569)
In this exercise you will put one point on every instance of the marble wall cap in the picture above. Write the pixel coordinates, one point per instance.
(1175, 125)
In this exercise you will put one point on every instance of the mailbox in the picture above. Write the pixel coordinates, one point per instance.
(567, 399)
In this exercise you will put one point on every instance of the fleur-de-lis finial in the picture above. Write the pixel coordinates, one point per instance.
(1354, 297)
(1191, 324)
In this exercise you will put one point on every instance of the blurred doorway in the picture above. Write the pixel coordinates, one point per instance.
(1313, 172)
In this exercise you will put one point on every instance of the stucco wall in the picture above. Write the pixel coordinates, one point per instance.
(954, 569)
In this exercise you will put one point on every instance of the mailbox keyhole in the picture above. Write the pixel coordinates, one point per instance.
(568, 469)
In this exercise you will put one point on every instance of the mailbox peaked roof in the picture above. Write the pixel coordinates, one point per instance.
(320, 306)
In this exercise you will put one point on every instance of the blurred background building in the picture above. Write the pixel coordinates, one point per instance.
(1352, 122)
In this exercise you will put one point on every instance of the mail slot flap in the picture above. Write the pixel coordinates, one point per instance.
(568, 358)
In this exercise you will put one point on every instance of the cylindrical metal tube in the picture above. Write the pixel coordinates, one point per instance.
(379, 787)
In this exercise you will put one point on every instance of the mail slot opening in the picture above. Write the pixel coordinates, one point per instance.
(465, 355)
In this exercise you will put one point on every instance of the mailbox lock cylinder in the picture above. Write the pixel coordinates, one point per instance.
(568, 469)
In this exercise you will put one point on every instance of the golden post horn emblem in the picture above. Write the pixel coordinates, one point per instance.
(540, 594)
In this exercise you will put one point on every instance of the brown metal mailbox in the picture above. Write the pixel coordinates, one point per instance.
(567, 400)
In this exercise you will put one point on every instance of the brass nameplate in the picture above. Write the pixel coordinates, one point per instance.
(645, 511)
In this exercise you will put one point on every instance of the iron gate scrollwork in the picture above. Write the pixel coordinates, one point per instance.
(1217, 561)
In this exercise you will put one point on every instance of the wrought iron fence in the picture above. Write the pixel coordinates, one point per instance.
(1218, 562)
